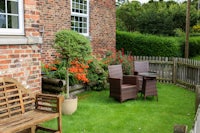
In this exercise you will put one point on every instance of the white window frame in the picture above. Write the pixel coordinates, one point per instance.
(20, 30)
(82, 15)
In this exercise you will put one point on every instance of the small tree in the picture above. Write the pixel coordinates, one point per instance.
(71, 46)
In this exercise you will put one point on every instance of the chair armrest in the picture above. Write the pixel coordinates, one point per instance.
(135, 73)
(130, 79)
(152, 72)
(49, 102)
(115, 82)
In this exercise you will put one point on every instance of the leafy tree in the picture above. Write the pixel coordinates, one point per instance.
(155, 17)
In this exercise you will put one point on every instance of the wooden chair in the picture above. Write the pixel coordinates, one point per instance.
(122, 87)
(140, 67)
(147, 85)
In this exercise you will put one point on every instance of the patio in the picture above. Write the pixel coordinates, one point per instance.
(98, 113)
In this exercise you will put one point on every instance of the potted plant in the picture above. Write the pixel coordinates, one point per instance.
(72, 47)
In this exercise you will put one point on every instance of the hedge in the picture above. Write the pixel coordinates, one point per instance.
(194, 46)
(147, 45)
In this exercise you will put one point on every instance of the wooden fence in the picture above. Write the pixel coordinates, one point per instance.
(179, 71)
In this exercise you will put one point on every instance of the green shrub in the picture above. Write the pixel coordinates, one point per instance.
(126, 59)
(147, 45)
(97, 76)
(194, 46)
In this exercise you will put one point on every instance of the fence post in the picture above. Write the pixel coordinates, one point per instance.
(197, 89)
(174, 70)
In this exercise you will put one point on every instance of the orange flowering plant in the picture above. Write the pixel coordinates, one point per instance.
(79, 70)
(75, 49)
(57, 69)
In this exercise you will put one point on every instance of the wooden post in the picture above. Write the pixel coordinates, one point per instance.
(187, 29)
(174, 70)
(197, 97)
(180, 129)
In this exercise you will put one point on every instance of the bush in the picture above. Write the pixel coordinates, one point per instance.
(97, 76)
(126, 59)
(194, 46)
(147, 45)
(76, 61)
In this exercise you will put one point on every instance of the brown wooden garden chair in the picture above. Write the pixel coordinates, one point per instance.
(147, 84)
(140, 67)
(122, 87)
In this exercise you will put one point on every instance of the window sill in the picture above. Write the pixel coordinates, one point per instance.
(10, 40)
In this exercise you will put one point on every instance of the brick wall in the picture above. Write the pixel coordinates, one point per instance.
(102, 26)
(20, 58)
(56, 15)
(21, 62)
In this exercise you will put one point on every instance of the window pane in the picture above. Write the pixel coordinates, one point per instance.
(12, 7)
(13, 22)
(2, 6)
(2, 21)
(78, 22)
(84, 30)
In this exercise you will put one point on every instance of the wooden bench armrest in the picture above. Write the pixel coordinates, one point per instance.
(49, 102)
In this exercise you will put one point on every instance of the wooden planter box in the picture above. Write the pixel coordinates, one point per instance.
(52, 85)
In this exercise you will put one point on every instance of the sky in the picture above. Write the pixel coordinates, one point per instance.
(145, 1)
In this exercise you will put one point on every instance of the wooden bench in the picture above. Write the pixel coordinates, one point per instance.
(21, 110)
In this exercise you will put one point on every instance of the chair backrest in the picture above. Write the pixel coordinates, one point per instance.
(115, 71)
(141, 66)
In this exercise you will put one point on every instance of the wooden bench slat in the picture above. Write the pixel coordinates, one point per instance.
(31, 118)
(47, 101)
(5, 114)
(13, 106)
(14, 101)
(3, 103)
(2, 98)
(13, 95)
(7, 85)
(5, 109)
(28, 102)
(18, 111)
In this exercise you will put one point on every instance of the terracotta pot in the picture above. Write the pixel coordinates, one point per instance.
(69, 105)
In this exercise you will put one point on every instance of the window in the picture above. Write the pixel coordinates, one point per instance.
(80, 16)
(11, 17)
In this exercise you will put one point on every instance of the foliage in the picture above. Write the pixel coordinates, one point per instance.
(147, 45)
(196, 28)
(97, 76)
(72, 46)
(120, 58)
(179, 32)
(194, 46)
(57, 69)
(155, 17)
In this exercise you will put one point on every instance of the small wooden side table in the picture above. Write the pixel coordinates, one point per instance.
(149, 84)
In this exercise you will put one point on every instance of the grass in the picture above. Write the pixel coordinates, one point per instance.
(97, 113)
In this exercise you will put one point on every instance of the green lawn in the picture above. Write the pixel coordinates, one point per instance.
(97, 113)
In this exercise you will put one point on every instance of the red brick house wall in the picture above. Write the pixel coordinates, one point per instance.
(102, 26)
(56, 15)
(21, 56)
